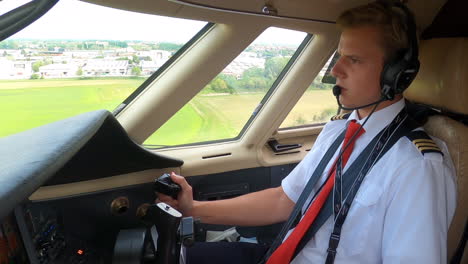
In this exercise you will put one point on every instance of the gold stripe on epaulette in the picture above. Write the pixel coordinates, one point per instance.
(338, 117)
(417, 141)
(423, 142)
(429, 148)
(426, 145)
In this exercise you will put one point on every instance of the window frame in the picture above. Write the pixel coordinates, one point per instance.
(163, 68)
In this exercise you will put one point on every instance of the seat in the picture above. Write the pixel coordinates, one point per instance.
(442, 83)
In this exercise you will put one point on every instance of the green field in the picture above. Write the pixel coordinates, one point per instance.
(26, 104)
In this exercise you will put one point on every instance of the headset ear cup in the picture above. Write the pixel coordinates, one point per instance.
(406, 77)
(393, 76)
(389, 76)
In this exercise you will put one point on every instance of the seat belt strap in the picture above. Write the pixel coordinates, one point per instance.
(304, 195)
(388, 138)
(359, 168)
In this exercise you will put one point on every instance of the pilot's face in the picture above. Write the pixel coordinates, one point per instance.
(358, 69)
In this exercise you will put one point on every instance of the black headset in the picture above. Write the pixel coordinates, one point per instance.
(401, 69)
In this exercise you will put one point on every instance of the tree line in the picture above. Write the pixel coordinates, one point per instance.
(50, 45)
(256, 79)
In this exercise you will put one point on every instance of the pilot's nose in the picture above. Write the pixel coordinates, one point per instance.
(337, 71)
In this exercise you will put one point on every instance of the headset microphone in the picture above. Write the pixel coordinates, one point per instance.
(337, 92)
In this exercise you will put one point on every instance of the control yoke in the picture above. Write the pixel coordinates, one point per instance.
(166, 231)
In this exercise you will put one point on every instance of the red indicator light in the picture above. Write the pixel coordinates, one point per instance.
(80, 252)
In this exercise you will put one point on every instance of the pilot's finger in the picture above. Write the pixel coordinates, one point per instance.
(164, 198)
(180, 180)
(173, 203)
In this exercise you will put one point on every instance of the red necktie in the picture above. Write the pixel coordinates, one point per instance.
(285, 251)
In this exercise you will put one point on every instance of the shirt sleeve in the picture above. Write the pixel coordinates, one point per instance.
(295, 182)
(297, 179)
(420, 206)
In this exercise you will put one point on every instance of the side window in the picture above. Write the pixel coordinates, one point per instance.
(316, 106)
(223, 108)
(81, 57)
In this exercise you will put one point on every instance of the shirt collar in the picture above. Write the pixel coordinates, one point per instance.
(379, 119)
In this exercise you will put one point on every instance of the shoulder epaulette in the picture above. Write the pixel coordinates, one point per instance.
(340, 117)
(423, 142)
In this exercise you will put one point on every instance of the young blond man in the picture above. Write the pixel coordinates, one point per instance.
(404, 206)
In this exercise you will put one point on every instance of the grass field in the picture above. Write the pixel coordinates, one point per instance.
(26, 104)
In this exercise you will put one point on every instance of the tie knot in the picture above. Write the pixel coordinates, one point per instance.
(351, 130)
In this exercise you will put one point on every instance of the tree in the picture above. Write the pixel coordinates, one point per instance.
(169, 46)
(36, 65)
(256, 83)
(9, 44)
(252, 73)
(231, 81)
(136, 71)
(273, 66)
(135, 59)
(219, 85)
(119, 44)
(253, 79)
(79, 72)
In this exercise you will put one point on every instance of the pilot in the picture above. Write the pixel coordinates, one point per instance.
(404, 205)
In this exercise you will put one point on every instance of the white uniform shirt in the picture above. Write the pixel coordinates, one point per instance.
(402, 210)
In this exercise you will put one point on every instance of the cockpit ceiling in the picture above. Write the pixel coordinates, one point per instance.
(211, 10)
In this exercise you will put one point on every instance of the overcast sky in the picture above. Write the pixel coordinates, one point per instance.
(71, 19)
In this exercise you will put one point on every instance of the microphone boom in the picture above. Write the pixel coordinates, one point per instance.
(337, 91)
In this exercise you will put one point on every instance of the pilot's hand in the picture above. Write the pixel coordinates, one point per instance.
(184, 202)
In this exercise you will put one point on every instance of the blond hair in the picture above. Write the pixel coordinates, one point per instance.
(391, 21)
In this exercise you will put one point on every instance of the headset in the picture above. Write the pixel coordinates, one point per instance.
(400, 70)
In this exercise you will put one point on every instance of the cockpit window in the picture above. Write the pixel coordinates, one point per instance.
(81, 57)
(317, 104)
(223, 108)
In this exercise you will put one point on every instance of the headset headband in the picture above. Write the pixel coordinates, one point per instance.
(399, 71)
(410, 32)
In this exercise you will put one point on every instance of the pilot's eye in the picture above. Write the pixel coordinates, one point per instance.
(353, 60)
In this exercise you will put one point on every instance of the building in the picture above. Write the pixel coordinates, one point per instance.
(57, 70)
(10, 69)
(99, 68)
(244, 61)
(148, 67)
